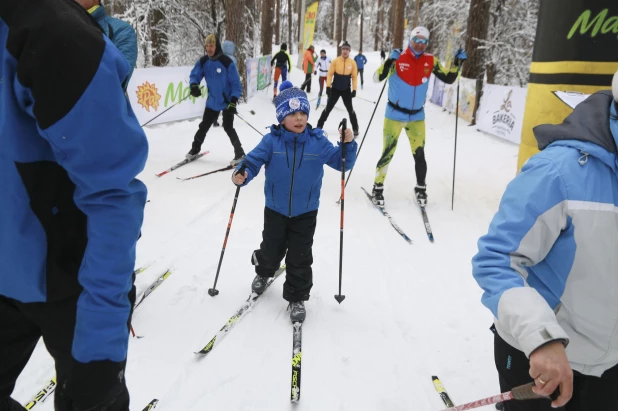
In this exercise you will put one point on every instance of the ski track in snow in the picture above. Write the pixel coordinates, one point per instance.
(411, 311)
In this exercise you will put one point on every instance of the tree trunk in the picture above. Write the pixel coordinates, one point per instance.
(398, 17)
(344, 35)
(491, 73)
(298, 36)
(378, 28)
(235, 31)
(277, 20)
(478, 25)
(333, 20)
(339, 26)
(362, 19)
(158, 38)
(267, 26)
(290, 22)
(251, 31)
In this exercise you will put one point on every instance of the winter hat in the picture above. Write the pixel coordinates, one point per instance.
(210, 39)
(284, 46)
(290, 100)
(615, 87)
(420, 31)
(345, 44)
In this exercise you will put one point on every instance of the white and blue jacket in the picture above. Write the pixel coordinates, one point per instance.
(549, 263)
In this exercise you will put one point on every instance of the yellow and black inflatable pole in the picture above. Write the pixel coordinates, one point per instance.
(575, 50)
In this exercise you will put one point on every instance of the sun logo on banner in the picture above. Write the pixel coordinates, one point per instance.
(148, 96)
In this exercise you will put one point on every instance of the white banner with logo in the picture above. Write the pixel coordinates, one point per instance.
(502, 111)
(153, 90)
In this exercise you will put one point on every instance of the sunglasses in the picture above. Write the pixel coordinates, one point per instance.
(420, 41)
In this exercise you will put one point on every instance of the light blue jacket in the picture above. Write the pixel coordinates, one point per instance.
(549, 263)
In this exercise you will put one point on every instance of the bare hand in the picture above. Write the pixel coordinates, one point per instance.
(550, 369)
(349, 135)
(239, 179)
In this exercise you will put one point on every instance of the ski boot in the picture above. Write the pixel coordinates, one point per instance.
(297, 311)
(237, 159)
(377, 195)
(258, 285)
(421, 195)
(192, 153)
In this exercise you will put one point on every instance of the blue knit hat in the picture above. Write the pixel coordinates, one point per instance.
(290, 100)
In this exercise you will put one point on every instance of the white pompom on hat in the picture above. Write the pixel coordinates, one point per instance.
(420, 31)
(615, 87)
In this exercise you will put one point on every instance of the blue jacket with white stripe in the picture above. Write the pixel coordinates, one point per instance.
(548, 264)
(71, 208)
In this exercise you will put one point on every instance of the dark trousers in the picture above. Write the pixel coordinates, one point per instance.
(589, 393)
(361, 71)
(321, 81)
(307, 83)
(292, 235)
(346, 96)
(21, 327)
(210, 116)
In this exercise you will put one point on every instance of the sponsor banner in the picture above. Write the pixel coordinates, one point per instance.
(437, 95)
(264, 72)
(501, 112)
(310, 19)
(252, 77)
(151, 91)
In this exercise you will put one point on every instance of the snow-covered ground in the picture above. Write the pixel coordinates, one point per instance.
(411, 311)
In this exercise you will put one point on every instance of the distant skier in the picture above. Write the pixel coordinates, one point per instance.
(322, 68)
(308, 67)
(229, 49)
(294, 155)
(408, 73)
(283, 65)
(361, 60)
(341, 72)
(224, 90)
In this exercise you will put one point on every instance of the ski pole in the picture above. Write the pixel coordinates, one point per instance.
(455, 151)
(523, 392)
(159, 115)
(247, 123)
(366, 131)
(344, 124)
(366, 99)
(213, 291)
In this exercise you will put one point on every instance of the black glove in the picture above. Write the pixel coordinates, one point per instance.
(97, 385)
(232, 106)
(353, 93)
(195, 90)
(315, 72)
(328, 92)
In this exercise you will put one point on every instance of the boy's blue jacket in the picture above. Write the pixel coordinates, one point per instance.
(71, 208)
(222, 79)
(295, 167)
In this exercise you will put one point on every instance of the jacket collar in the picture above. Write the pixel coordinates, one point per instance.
(98, 12)
(279, 131)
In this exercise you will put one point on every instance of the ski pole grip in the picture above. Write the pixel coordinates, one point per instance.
(524, 392)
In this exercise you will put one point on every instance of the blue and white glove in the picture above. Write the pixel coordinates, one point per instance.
(460, 57)
(395, 54)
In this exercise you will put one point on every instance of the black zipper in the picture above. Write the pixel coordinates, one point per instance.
(309, 199)
(293, 172)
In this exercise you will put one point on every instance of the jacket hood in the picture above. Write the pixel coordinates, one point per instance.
(218, 49)
(589, 122)
(229, 47)
(279, 131)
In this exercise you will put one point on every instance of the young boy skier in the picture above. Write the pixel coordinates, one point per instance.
(294, 155)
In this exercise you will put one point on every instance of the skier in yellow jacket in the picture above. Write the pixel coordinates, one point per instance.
(341, 71)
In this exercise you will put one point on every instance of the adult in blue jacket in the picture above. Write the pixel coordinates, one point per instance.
(294, 155)
(71, 208)
(548, 264)
(119, 32)
(361, 60)
(224, 90)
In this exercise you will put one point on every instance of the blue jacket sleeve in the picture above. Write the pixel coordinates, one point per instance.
(197, 74)
(256, 158)
(102, 155)
(531, 217)
(364, 60)
(234, 78)
(332, 154)
(125, 40)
